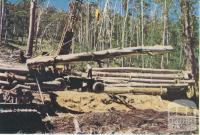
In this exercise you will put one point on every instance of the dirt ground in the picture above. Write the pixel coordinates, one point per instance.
(124, 113)
(102, 102)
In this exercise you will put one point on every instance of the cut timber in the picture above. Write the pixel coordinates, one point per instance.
(147, 85)
(4, 83)
(3, 76)
(148, 91)
(50, 85)
(20, 87)
(141, 75)
(18, 70)
(142, 80)
(140, 70)
(6, 76)
(96, 56)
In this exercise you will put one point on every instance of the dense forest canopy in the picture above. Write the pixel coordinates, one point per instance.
(107, 24)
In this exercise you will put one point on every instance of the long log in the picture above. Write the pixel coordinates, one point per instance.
(4, 83)
(140, 70)
(17, 70)
(5, 76)
(50, 85)
(142, 75)
(124, 90)
(96, 56)
(147, 85)
(142, 80)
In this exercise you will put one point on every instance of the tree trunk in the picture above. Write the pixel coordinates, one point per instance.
(136, 90)
(147, 85)
(141, 75)
(29, 50)
(38, 27)
(1, 20)
(164, 31)
(137, 70)
(18, 70)
(96, 56)
(142, 23)
(121, 80)
(190, 61)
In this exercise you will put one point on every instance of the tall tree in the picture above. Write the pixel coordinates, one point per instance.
(164, 29)
(126, 7)
(29, 50)
(1, 20)
(189, 45)
(142, 23)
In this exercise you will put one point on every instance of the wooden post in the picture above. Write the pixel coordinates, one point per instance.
(29, 50)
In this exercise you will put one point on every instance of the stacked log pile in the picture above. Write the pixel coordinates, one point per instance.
(135, 79)
(16, 82)
(144, 80)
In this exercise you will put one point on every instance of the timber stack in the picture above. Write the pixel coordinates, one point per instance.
(144, 80)
(41, 74)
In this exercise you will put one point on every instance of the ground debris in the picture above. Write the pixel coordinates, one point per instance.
(133, 121)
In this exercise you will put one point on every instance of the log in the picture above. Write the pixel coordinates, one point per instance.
(17, 70)
(50, 85)
(147, 85)
(141, 75)
(124, 90)
(142, 80)
(95, 56)
(4, 83)
(5, 76)
(20, 86)
(140, 70)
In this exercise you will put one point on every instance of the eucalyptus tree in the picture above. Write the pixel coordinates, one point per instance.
(1, 20)
(187, 8)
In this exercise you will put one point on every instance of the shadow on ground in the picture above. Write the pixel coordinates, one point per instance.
(23, 122)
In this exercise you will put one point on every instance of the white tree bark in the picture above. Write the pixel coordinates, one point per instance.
(29, 50)
(1, 20)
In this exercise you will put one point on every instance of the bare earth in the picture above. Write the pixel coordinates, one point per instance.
(101, 113)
